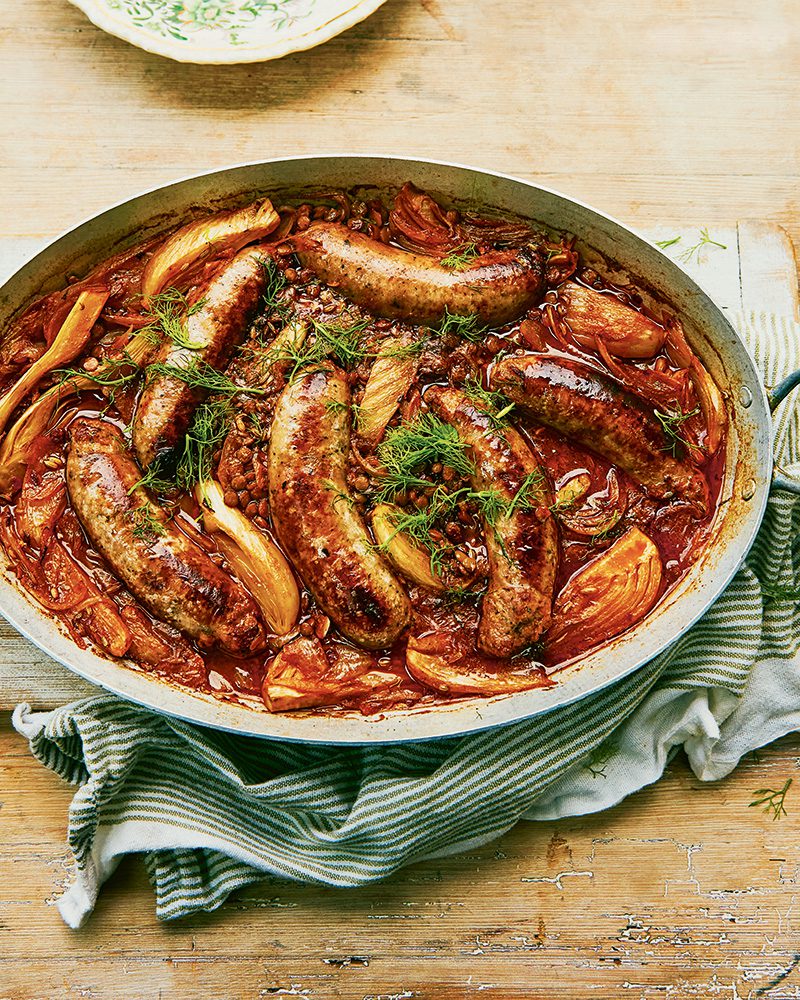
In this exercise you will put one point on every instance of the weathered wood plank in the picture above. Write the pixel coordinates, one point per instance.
(657, 113)
(654, 898)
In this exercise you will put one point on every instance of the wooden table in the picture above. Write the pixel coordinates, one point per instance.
(661, 113)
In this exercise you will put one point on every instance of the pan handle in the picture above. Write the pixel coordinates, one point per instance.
(780, 479)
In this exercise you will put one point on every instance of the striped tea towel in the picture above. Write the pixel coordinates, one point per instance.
(212, 811)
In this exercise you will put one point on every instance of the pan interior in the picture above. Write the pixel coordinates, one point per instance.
(618, 250)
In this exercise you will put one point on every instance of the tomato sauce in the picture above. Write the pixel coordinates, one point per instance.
(593, 502)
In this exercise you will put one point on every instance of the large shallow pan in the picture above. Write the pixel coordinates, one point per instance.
(744, 492)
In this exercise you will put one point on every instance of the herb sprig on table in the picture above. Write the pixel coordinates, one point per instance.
(772, 800)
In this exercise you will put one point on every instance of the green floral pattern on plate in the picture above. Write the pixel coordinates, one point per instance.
(228, 19)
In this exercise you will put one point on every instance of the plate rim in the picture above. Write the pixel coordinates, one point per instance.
(193, 54)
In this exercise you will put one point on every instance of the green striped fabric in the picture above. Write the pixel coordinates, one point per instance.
(212, 812)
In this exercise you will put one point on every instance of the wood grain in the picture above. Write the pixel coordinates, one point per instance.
(682, 891)
(661, 113)
(657, 112)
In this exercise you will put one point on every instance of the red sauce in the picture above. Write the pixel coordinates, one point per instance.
(672, 525)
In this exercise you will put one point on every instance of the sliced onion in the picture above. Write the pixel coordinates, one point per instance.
(227, 230)
(255, 558)
(41, 503)
(69, 342)
(661, 388)
(532, 332)
(102, 617)
(389, 380)
(407, 558)
(151, 645)
(607, 596)
(16, 448)
(106, 627)
(433, 661)
(711, 404)
(600, 512)
(593, 315)
(677, 346)
(301, 676)
(570, 492)
(418, 223)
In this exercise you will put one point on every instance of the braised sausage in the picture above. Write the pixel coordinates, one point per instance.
(497, 287)
(170, 574)
(522, 544)
(598, 412)
(166, 403)
(313, 513)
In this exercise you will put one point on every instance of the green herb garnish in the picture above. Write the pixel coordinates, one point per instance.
(664, 244)
(421, 442)
(112, 374)
(340, 341)
(598, 760)
(169, 310)
(781, 594)
(530, 493)
(464, 327)
(411, 349)
(198, 374)
(704, 241)
(460, 257)
(671, 424)
(184, 468)
(419, 523)
(771, 800)
(208, 430)
(159, 477)
(496, 405)
(274, 283)
(341, 495)
(336, 406)
(145, 524)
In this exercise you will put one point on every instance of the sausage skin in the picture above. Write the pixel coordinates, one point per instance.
(166, 404)
(598, 412)
(170, 574)
(398, 284)
(313, 513)
(522, 546)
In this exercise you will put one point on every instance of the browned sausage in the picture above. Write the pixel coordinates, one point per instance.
(168, 572)
(314, 517)
(598, 412)
(522, 545)
(166, 403)
(497, 287)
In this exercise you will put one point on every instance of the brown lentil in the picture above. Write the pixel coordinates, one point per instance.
(454, 531)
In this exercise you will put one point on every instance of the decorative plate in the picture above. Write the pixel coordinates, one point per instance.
(226, 31)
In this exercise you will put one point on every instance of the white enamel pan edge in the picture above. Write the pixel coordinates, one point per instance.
(601, 238)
